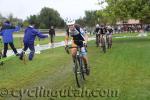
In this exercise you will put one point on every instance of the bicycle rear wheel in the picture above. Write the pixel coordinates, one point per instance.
(81, 68)
(109, 42)
(97, 41)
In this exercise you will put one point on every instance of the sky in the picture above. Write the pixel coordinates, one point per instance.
(67, 8)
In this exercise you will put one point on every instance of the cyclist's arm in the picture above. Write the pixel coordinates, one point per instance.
(86, 38)
(66, 39)
(85, 35)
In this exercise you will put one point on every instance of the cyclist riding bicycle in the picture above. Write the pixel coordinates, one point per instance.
(109, 30)
(97, 28)
(96, 31)
(109, 36)
(79, 38)
(102, 32)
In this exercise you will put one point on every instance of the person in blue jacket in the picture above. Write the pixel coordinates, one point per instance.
(29, 37)
(6, 32)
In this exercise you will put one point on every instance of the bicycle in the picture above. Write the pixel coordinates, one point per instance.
(103, 43)
(78, 69)
(109, 41)
(97, 39)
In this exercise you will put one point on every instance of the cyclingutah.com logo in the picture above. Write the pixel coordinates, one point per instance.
(41, 91)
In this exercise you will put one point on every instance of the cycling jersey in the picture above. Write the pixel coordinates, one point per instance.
(97, 30)
(102, 30)
(77, 35)
(109, 31)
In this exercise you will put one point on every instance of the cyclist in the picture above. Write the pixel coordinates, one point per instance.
(97, 28)
(102, 32)
(79, 38)
(109, 35)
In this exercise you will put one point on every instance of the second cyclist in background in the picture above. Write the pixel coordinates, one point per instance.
(109, 36)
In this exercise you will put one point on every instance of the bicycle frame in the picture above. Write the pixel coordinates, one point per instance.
(103, 42)
(78, 66)
(97, 39)
(109, 40)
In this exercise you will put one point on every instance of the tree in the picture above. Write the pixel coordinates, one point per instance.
(91, 18)
(49, 16)
(25, 23)
(81, 21)
(46, 18)
(2, 19)
(35, 19)
(127, 9)
(13, 20)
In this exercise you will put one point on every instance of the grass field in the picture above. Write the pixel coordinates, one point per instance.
(125, 68)
(18, 41)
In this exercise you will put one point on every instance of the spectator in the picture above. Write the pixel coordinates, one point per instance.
(29, 38)
(52, 36)
(6, 32)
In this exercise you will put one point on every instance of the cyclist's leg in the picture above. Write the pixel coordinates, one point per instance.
(110, 39)
(84, 55)
(101, 39)
(98, 39)
(85, 60)
(73, 51)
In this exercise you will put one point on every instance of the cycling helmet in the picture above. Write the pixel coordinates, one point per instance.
(97, 25)
(70, 21)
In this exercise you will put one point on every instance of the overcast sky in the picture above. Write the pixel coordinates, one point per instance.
(67, 8)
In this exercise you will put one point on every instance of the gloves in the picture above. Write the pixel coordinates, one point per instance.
(66, 49)
(85, 43)
(66, 46)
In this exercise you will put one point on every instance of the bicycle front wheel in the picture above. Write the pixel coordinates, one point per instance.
(103, 45)
(78, 73)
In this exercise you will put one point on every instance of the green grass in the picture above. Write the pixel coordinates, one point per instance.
(127, 34)
(125, 68)
(18, 42)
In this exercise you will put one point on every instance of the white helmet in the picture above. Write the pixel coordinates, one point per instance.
(109, 27)
(70, 22)
(97, 25)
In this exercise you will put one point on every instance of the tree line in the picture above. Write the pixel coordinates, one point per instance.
(118, 10)
(47, 17)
